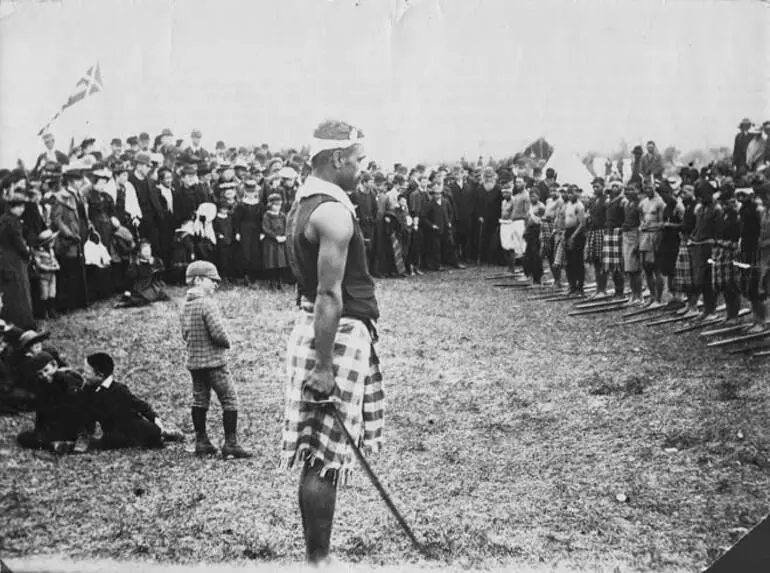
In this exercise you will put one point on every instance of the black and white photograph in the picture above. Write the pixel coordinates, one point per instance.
(384, 286)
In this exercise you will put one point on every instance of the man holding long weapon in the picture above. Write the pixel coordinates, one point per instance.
(331, 355)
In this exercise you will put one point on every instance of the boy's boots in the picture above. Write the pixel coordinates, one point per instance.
(203, 447)
(231, 449)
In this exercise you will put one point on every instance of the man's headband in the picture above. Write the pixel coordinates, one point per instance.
(318, 145)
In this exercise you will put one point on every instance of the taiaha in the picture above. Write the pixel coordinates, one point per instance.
(725, 330)
(620, 304)
(759, 346)
(737, 339)
(332, 404)
(647, 310)
(599, 301)
(513, 285)
(699, 325)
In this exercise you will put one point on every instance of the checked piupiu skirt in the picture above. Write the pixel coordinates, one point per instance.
(612, 250)
(311, 433)
(546, 234)
(724, 275)
(683, 281)
(593, 252)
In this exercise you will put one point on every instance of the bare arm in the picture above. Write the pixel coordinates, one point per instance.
(331, 226)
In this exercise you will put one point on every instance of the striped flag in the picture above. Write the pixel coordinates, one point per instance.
(89, 84)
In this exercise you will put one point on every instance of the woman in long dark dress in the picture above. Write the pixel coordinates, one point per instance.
(247, 224)
(14, 257)
(101, 207)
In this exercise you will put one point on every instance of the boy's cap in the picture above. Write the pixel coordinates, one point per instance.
(41, 360)
(202, 269)
(102, 363)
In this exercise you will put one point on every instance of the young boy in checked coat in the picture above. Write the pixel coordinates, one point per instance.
(204, 333)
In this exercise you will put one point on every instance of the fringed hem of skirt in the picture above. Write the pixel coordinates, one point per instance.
(341, 473)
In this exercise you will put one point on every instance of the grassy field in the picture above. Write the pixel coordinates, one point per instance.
(511, 430)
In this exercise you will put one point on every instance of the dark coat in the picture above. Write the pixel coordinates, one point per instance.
(434, 214)
(59, 407)
(489, 204)
(116, 408)
(739, 148)
(32, 222)
(68, 216)
(14, 277)
(186, 202)
(465, 206)
(247, 223)
(150, 203)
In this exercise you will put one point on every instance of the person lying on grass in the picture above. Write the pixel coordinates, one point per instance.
(204, 333)
(60, 411)
(126, 420)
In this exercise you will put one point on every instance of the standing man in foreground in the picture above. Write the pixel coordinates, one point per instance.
(331, 348)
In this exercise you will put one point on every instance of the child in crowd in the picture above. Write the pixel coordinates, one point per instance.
(126, 420)
(274, 245)
(206, 339)
(46, 267)
(60, 412)
(144, 272)
(223, 228)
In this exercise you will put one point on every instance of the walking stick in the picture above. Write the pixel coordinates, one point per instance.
(372, 477)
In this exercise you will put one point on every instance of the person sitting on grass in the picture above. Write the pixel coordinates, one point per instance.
(23, 346)
(126, 420)
(204, 333)
(60, 412)
(13, 398)
(145, 273)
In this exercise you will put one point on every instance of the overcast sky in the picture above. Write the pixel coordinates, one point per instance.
(451, 77)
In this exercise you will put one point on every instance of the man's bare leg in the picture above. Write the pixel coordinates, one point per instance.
(317, 500)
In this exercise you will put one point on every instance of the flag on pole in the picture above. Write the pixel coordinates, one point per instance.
(89, 84)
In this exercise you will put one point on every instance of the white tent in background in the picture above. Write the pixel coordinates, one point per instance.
(569, 168)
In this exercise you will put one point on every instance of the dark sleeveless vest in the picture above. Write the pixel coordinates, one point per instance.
(358, 300)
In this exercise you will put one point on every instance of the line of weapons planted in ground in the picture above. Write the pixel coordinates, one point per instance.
(733, 338)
